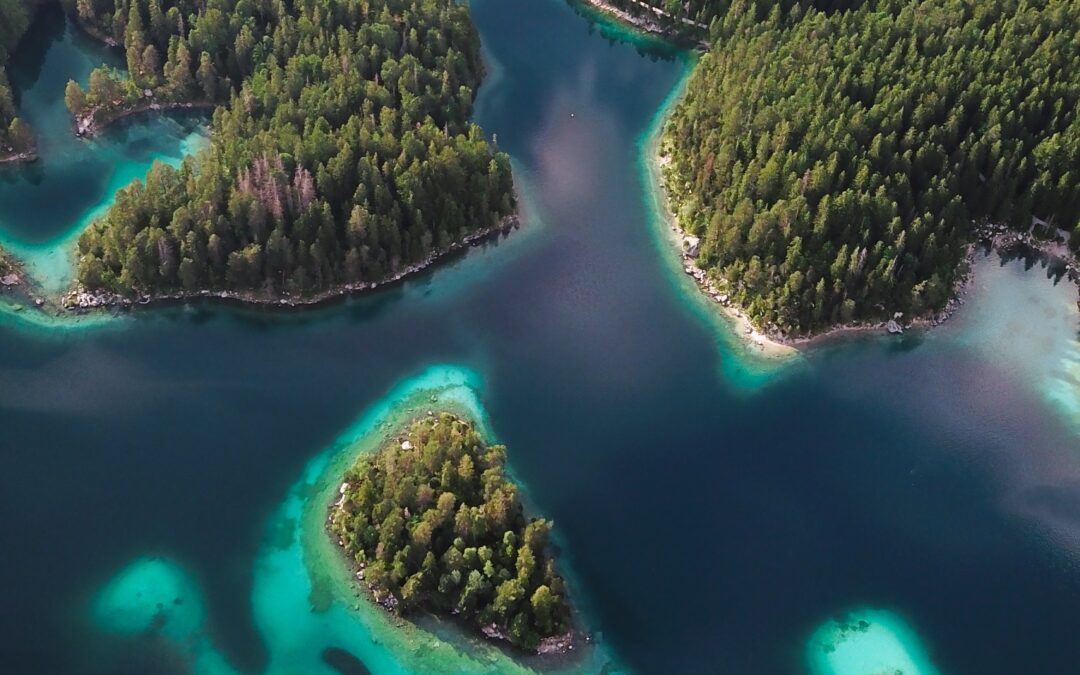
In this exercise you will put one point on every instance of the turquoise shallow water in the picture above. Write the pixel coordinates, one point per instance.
(299, 568)
(868, 642)
(713, 515)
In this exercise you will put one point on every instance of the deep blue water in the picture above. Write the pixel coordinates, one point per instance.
(711, 525)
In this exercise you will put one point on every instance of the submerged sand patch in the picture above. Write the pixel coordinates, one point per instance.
(868, 642)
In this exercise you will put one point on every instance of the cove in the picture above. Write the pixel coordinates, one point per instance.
(712, 520)
(45, 205)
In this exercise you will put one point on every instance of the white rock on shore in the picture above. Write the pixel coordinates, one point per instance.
(691, 245)
(493, 632)
(556, 644)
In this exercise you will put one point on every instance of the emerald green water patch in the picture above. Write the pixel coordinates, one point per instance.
(868, 642)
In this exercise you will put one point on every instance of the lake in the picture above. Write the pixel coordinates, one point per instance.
(715, 513)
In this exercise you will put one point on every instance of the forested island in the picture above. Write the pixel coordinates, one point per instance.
(433, 524)
(833, 162)
(341, 154)
(17, 142)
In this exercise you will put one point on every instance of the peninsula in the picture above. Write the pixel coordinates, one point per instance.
(432, 523)
(341, 155)
(832, 164)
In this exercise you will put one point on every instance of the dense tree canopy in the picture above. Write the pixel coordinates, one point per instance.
(341, 150)
(433, 523)
(15, 18)
(834, 163)
(15, 135)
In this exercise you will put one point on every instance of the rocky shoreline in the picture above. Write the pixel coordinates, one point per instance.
(13, 280)
(11, 277)
(26, 157)
(80, 299)
(15, 284)
(642, 23)
(648, 22)
(87, 124)
(686, 247)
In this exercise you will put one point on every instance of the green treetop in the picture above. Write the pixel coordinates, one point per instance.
(434, 524)
(341, 151)
(835, 161)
